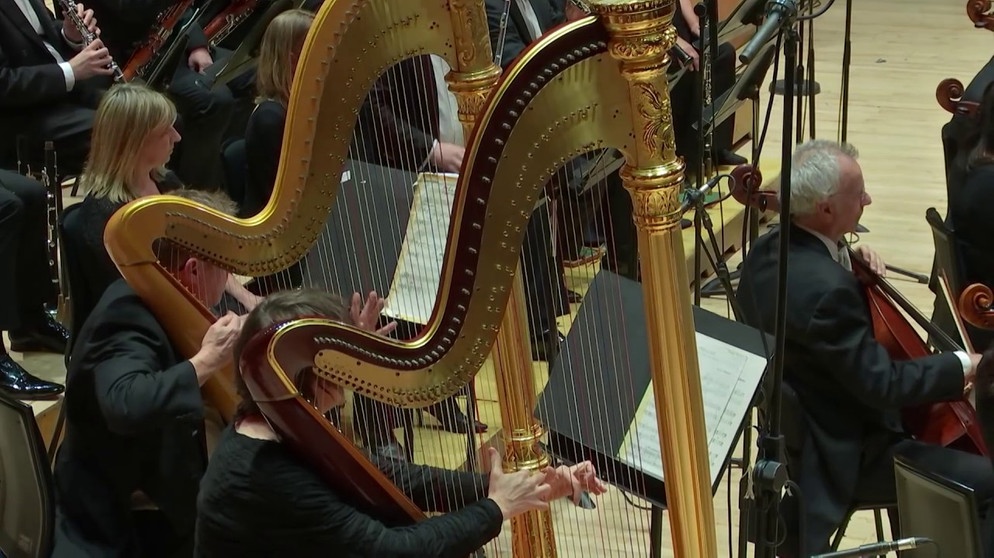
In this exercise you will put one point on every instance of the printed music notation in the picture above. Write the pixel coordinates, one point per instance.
(414, 288)
(729, 378)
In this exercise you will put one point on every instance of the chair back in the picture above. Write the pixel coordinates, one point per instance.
(73, 255)
(947, 256)
(937, 508)
(27, 501)
(235, 164)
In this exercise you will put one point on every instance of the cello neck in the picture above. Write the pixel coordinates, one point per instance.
(938, 338)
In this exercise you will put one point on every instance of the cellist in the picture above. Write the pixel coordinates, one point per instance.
(849, 389)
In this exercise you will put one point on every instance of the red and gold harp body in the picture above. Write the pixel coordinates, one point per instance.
(594, 83)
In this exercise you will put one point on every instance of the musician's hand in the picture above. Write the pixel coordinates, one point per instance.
(573, 12)
(200, 59)
(570, 482)
(872, 259)
(695, 62)
(92, 61)
(73, 34)
(216, 348)
(447, 156)
(516, 493)
(367, 315)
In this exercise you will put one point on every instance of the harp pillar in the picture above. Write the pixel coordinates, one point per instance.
(471, 81)
(641, 34)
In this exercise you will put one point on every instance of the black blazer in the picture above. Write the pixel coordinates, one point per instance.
(134, 422)
(548, 12)
(850, 390)
(29, 75)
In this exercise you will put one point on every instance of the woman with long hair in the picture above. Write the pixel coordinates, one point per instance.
(278, 56)
(258, 498)
(133, 139)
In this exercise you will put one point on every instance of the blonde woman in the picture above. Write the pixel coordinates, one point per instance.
(133, 138)
(278, 55)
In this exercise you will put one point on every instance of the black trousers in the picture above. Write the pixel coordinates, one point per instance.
(25, 280)
(545, 286)
(205, 116)
(877, 485)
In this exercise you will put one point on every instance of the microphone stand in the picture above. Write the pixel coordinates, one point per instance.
(769, 475)
(844, 125)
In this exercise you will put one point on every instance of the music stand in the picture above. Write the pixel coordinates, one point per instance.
(27, 504)
(593, 369)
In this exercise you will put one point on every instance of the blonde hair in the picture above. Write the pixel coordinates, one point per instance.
(278, 54)
(128, 113)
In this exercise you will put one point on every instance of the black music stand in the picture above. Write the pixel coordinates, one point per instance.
(593, 369)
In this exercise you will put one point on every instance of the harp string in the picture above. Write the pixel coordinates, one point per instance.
(374, 222)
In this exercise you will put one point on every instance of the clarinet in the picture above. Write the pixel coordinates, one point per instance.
(69, 7)
(54, 196)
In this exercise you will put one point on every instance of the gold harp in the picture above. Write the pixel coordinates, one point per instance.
(597, 82)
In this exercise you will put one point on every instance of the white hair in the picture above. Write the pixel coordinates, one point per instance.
(815, 173)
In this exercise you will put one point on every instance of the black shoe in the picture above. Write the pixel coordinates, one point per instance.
(545, 345)
(18, 383)
(727, 157)
(454, 420)
(48, 336)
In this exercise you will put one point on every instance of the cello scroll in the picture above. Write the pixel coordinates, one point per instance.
(979, 12)
(975, 305)
(949, 95)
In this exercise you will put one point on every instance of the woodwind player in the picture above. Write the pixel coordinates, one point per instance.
(49, 83)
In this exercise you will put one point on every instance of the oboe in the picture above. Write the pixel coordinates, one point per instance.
(69, 7)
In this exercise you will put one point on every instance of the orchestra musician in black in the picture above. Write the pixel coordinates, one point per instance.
(135, 427)
(849, 392)
(50, 84)
(205, 111)
(25, 279)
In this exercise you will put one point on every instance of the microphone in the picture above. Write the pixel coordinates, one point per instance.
(696, 195)
(778, 12)
(879, 548)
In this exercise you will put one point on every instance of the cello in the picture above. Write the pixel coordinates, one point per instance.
(951, 424)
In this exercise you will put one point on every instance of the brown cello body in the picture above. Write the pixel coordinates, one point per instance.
(951, 424)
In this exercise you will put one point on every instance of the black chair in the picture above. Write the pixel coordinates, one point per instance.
(27, 501)
(73, 257)
(795, 432)
(235, 164)
(939, 509)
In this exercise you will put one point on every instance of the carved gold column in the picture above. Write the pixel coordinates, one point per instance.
(471, 81)
(641, 34)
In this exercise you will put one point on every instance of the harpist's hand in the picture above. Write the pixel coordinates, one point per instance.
(516, 493)
(366, 316)
(570, 482)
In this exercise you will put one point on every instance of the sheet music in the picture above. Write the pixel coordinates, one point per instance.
(415, 282)
(729, 377)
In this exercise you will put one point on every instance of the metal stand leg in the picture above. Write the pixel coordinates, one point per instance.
(656, 532)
